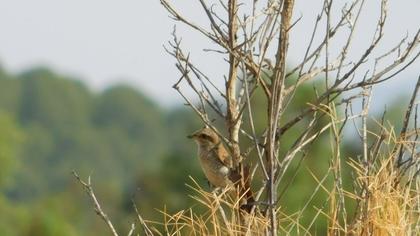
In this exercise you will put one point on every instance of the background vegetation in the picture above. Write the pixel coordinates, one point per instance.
(51, 125)
(133, 149)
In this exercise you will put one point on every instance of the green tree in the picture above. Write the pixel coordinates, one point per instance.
(10, 141)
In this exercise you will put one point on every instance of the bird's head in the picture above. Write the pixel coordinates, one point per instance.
(205, 137)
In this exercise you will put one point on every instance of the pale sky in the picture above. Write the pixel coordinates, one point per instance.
(103, 42)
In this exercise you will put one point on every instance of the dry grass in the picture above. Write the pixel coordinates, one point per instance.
(215, 214)
(388, 203)
(391, 205)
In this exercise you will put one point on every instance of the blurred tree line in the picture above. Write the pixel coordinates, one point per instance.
(131, 147)
(51, 125)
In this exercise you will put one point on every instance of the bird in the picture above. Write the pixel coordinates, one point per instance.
(214, 158)
(217, 166)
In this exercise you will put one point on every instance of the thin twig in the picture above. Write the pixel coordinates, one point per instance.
(97, 207)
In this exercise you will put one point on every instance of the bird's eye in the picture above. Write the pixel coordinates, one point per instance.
(206, 137)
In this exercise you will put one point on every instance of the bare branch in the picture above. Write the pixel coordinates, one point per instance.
(97, 207)
(146, 229)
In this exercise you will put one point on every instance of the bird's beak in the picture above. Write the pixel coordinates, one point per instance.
(191, 136)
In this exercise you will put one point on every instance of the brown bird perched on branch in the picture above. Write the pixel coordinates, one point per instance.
(214, 159)
(217, 164)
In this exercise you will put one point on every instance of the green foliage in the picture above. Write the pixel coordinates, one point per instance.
(10, 140)
(118, 136)
(123, 112)
(53, 101)
(51, 125)
(11, 93)
(12, 218)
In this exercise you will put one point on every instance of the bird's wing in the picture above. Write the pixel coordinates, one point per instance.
(224, 156)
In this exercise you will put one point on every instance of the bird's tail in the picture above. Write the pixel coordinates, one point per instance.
(242, 180)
